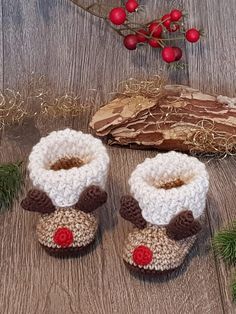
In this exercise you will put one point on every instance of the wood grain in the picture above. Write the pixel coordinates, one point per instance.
(78, 51)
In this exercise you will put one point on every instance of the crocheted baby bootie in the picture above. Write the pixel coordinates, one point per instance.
(167, 207)
(69, 171)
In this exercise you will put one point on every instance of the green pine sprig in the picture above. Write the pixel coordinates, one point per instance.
(11, 179)
(224, 243)
(234, 290)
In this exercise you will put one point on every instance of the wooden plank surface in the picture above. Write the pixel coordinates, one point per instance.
(79, 52)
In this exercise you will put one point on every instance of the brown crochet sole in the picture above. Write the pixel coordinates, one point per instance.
(68, 252)
(151, 272)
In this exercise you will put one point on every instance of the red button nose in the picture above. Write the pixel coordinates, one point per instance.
(63, 237)
(142, 255)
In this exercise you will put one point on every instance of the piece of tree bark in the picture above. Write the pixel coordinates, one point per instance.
(181, 119)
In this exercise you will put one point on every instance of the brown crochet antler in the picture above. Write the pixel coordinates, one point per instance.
(91, 198)
(38, 201)
(131, 211)
(183, 226)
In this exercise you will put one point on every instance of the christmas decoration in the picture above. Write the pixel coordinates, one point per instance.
(167, 207)
(11, 180)
(150, 114)
(39, 100)
(192, 35)
(155, 33)
(224, 243)
(69, 169)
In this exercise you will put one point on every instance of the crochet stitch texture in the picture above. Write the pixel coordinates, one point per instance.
(69, 170)
(167, 253)
(64, 186)
(166, 206)
(159, 205)
(83, 227)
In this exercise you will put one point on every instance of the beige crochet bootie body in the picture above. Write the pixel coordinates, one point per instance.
(69, 171)
(166, 206)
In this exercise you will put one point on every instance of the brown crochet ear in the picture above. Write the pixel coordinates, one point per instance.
(38, 201)
(183, 226)
(91, 198)
(131, 211)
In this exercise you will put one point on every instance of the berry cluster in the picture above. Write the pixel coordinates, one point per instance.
(155, 33)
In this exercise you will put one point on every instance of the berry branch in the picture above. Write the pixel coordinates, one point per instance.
(155, 33)
(89, 8)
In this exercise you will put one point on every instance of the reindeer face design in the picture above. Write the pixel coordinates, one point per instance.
(69, 171)
(167, 205)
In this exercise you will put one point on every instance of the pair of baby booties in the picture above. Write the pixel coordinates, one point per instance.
(168, 193)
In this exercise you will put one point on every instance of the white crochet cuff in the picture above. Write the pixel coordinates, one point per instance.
(64, 186)
(160, 204)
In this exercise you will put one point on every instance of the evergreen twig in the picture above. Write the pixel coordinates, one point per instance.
(234, 290)
(11, 179)
(224, 243)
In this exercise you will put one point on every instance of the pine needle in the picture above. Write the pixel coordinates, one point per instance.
(11, 179)
(234, 290)
(224, 243)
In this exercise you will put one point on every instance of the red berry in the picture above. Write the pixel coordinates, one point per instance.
(141, 35)
(166, 20)
(155, 29)
(131, 5)
(154, 42)
(192, 35)
(178, 53)
(117, 16)
(173, 28)
(130, 42)
(175, 15)
(168, 54)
